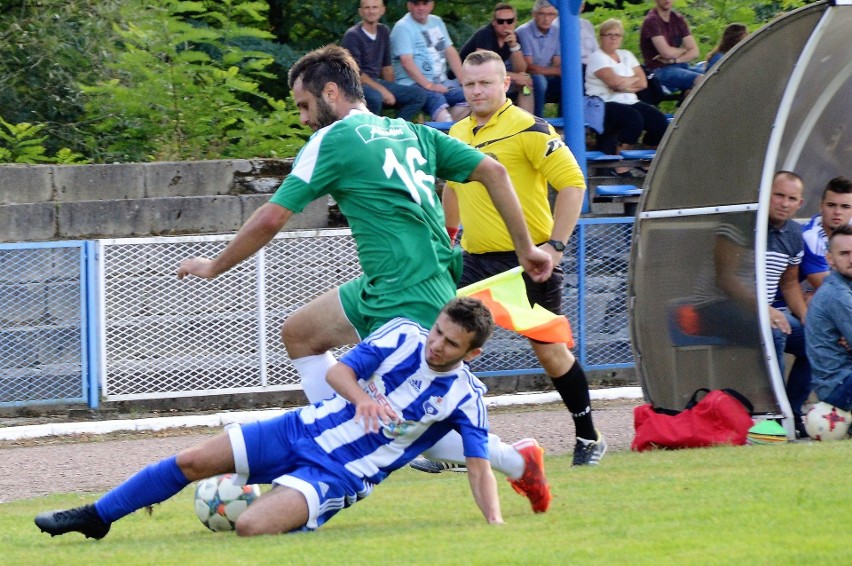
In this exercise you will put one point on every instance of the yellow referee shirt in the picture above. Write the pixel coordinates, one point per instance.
(535, 155)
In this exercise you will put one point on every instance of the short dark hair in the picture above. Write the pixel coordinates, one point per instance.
(839, 185)
(482, 56)
(472, 315)
(504, 6)
(329, 64)
(844, 230)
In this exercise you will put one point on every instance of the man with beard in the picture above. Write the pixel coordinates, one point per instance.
(381, 172)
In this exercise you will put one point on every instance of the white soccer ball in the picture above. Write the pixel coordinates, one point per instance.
(827, 422)
(219, 501)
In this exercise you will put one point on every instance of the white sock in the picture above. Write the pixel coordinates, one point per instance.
(312, 370)
(502, 456)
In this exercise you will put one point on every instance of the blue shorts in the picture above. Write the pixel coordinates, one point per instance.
(279, 451)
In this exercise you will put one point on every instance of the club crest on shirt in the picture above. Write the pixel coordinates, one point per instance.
(373, 132)
(396, 429)
(432, 405)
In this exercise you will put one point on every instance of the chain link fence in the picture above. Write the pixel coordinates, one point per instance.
(157, 337)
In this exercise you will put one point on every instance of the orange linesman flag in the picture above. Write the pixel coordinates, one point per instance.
(506, 297)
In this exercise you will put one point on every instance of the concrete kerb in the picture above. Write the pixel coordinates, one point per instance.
(218, 420)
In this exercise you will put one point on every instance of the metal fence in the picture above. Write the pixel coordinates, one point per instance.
(151, 336)
(43, 339)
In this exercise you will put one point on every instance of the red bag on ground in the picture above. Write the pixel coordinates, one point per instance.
(722, 416)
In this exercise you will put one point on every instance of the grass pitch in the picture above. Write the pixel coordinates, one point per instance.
(787, 504)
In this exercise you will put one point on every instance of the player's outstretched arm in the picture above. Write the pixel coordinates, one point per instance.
(343, 380)
(258, 231)
(537, 263)
(483, 485)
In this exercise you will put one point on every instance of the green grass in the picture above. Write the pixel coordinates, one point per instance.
(789, 504)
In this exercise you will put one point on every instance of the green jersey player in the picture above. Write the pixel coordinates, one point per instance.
(382, 174)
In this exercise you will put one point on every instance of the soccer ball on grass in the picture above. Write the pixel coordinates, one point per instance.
(219, 501)
(827, 422)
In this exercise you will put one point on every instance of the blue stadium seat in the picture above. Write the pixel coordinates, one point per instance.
(639, 153)
(618, 191)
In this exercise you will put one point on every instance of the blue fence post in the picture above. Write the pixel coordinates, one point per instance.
(572, 84)
(91, 323)
(581, 291)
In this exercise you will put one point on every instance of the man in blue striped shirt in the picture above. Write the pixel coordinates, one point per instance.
(397, 393)
(784, 252)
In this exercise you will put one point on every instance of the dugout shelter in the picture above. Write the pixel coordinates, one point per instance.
(781, 99)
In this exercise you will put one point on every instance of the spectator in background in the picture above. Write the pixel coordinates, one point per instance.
(540, 43)
(499, 36)
(829, 327)
(667, 46)
(369, 44)
(732, 35)
(422, 52)
(727, 300)
(615, 75)
(835, 211)
(588, 40)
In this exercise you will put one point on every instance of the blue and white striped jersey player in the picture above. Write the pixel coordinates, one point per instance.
(398, 392)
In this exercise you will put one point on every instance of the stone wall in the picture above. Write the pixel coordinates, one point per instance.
(77, 202)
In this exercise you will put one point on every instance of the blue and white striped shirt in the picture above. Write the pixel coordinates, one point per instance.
(391, 368)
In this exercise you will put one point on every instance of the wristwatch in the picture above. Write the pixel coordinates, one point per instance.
(557, 245)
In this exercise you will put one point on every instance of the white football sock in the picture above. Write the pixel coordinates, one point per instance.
(312, 370)
(502, 456)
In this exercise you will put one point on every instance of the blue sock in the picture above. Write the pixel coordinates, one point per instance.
(153, 484)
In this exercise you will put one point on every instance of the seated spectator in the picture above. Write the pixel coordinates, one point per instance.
(499, 36)
(727, 299)
(588, 40)
(829, 325)
(369, 44)
(540, 43)
(835, 211)
(422, 52)
(667, 46)
(732, 35)
(615, 75)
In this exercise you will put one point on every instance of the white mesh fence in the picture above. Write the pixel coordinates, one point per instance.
(156, 337)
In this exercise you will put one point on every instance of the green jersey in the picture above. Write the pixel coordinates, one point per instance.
(382, 172)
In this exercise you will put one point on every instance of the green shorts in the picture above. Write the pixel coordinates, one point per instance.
(368, 310)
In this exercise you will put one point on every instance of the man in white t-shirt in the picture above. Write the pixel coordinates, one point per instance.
(422, 52)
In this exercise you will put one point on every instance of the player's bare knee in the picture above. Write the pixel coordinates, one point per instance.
(189, 463)
(247, 527)
(556, 359)
(294, 338)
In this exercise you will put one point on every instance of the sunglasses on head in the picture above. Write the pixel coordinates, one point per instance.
(505, 20)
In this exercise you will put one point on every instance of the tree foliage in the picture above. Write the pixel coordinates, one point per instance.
(127, 80)
(182, 89)
(21, 143)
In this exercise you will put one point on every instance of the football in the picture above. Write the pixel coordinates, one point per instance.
(219, 501)
(827, 422)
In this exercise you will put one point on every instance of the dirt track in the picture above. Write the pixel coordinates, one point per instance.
(97, 463)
